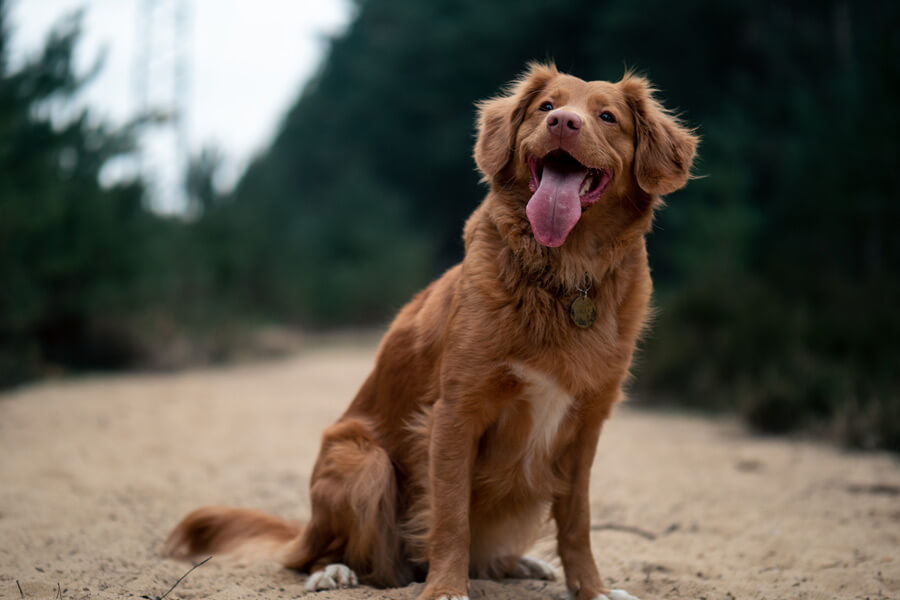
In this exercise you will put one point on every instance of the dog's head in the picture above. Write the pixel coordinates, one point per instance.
(574, 146)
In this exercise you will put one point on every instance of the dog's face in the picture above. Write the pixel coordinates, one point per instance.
(575, 143)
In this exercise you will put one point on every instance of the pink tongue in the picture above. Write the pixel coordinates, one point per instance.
(555, 207)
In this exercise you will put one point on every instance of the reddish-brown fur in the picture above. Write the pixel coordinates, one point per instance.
(431, 469)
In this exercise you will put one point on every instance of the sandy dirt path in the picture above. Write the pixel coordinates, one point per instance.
(94, 472)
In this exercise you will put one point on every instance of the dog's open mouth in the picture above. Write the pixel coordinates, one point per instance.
(562, 188)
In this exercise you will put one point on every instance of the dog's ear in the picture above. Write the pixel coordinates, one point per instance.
(499, 119)
(664, 149)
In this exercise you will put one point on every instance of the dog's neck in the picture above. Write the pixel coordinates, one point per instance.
(596, 248)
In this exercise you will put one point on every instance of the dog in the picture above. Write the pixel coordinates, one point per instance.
(483, 412)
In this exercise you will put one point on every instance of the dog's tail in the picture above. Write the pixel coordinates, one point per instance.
(241, 532)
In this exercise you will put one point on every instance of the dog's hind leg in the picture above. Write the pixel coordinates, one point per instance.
(353, 527)
(513, 567)
(529, 567)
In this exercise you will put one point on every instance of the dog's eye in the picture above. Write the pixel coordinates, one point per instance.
(607, 116)
(546, 106)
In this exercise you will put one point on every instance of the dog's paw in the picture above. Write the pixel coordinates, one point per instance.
(616, 595)
(332, 577)
(533, 568)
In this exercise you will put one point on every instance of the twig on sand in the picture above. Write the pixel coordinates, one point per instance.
(625, 528)
(180, 579)
(58, 591)
(21, 593)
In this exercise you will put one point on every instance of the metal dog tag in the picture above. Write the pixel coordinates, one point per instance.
(583, 312)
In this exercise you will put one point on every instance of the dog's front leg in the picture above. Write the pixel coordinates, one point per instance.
(451, 457)
(572, 513)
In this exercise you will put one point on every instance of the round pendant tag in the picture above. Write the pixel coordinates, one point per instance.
(583, 312)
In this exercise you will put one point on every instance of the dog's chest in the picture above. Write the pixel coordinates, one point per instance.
(547, 403)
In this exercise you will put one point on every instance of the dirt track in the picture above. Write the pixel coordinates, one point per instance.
(94, 472)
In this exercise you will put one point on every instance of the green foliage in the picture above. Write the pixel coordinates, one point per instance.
(786, 293)
(73, 254)
(776, 269)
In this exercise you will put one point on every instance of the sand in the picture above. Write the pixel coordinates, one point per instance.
(94, 472)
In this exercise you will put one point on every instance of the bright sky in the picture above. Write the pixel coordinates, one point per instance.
(247, 60)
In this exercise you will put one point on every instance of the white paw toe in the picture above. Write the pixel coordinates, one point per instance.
(331, 577)
(320, 581)
(344, 576)
(617, 595)
(534, 568)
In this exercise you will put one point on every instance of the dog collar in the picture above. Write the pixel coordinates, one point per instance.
(583, 311)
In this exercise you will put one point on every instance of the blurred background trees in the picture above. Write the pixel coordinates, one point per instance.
(776, 271)
(75, 257)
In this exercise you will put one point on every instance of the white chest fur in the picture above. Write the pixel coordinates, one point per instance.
(548, 402)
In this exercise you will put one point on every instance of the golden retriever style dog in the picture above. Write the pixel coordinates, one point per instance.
(482, 414)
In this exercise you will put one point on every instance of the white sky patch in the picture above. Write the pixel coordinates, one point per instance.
(247, 63)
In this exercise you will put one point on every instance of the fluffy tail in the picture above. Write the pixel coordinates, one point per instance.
(243, 532)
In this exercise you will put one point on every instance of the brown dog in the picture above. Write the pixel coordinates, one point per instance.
(483, 412)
